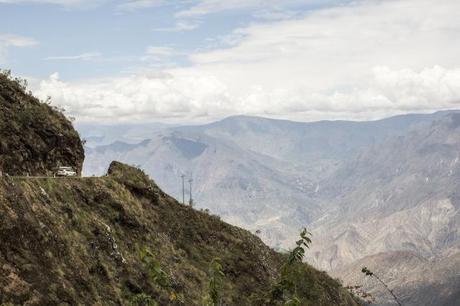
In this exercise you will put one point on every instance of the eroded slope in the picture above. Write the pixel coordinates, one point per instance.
(77, 241)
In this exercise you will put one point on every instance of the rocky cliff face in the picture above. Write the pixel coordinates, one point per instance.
(34, 138)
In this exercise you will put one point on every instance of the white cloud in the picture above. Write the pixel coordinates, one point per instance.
(134, 5)
(64, 3)
(189, 96)
(148, 96)
(408, 90)
(84, 56)
(275, 14)
(180, 26)
(160, 51)
(364, 60)
(11, 40)
(160, 56)
(204, 7)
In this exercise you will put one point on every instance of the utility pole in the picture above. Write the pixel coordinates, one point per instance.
(190, 181)
(183, 188)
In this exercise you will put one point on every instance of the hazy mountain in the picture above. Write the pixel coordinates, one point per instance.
(414, 279)
(364, 188)
(102, 134)
(259, 173)
(397, 198)
(400, 195)
(303, 142)
(244, 187)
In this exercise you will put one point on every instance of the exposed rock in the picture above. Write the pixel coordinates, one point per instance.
(35, 138)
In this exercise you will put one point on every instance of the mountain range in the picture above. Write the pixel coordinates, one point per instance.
(385, 189)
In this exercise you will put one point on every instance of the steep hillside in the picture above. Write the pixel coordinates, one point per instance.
(34, 138)
(78, 240)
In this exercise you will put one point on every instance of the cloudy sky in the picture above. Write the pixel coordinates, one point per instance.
(187, 61)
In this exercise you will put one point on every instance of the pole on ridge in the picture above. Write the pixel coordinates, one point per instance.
(190, 181)
(183, 188)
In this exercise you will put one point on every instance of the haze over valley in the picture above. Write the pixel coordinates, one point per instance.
(386, 188)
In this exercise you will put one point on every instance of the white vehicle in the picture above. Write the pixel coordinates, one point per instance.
(66, 171)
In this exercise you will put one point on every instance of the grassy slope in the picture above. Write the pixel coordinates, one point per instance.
(77, 241)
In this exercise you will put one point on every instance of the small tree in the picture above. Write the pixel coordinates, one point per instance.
(368, 272)
(286, 289)
(216, 275)
(298, 253)
(156, 273)
(158, 276)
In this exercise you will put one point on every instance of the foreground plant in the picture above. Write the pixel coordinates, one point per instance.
(216, 275)
(286, 289)
(158, 276)
(156, 273)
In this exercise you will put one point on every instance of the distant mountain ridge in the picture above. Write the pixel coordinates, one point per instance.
(364, 188)
(303, 141)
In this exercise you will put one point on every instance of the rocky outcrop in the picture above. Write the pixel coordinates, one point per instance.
(35, 138)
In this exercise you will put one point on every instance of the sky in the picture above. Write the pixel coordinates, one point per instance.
(196, 61)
